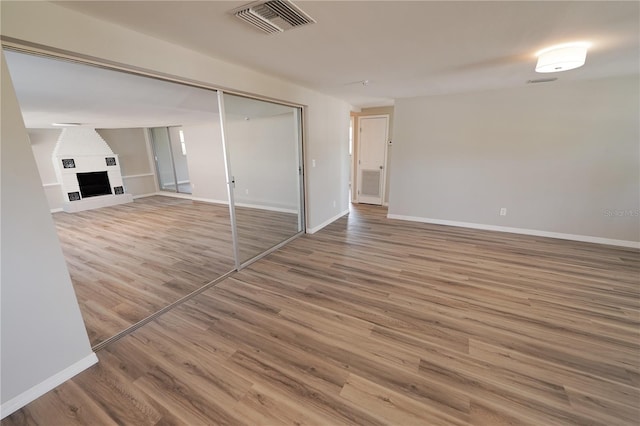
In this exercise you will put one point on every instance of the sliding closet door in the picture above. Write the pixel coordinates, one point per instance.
(170, 153)
(263, 142)
(163, 158)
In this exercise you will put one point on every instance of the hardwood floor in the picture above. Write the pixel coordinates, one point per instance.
(373, 321)
(260, 230)
(128, 261)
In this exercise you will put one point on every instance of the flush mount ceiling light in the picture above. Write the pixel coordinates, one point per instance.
(66, 124)
(562, 57)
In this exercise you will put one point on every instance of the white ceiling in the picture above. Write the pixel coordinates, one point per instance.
(56, 91)
(405, 49)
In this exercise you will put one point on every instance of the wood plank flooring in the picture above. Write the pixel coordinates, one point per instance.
(380, 322)
(131, 260)
(128, 261)
(259, 230)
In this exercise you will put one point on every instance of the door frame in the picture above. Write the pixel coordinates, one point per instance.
(357, 158)
(156, 161)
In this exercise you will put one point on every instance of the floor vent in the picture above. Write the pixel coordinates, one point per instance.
(274, 16)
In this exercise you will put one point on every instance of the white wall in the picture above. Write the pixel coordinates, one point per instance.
(264, 161)
(327, 118)
(332, 164)
(205, 158)
(561, 157)
(43, 141)
(133, 153)
(43, 340)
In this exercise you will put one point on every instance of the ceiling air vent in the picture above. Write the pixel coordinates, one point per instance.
(274, 16)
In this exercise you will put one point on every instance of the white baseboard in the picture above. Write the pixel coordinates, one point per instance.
(210, 200)
(326, 222)
(226, 203)
(41, 388)
(96, 202)
(150, 194)
(174, 195)
(59, 209)
(269, 208)
(143, 175)
(535, 232)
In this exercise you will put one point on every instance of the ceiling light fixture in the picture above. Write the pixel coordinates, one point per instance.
(562, 57)
(365, 82)
(66, 124)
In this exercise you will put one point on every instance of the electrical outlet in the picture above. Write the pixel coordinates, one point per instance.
(503, 211)
(246, 191)
(334, 204)
(313, 163)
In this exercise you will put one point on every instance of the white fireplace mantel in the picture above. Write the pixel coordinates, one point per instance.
(82, 150)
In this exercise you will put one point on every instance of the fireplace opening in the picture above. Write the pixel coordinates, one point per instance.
(93, 184)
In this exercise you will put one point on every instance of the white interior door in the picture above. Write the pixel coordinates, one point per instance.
(372, 153)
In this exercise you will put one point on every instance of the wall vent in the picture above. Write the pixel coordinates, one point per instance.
(273, 16)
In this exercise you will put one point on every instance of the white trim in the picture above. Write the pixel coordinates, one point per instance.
(385, 204)
(46, 185)
(56, 210)
(174, 194)
(210, 200)
(326, 222)
(96, 202)
(270, 208)
(150, 194)
(538, 233)
(138, 176)
(45, 386)
(226, 203)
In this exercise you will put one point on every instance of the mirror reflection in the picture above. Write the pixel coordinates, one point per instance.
(161, 229)
(150, 202)
(263, 140)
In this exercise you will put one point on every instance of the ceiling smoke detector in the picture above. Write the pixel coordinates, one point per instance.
(273, 16)
(562, 57)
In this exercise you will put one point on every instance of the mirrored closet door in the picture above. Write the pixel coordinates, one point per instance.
(194, 183)
(170, 155)
(263, 143)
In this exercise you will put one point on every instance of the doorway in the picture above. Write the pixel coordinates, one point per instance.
(373, 134)
(170, 156)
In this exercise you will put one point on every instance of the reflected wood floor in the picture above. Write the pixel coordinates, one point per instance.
(373, 322)
(259, 230)
(128, 261)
